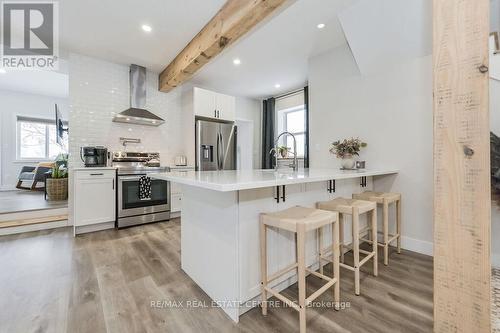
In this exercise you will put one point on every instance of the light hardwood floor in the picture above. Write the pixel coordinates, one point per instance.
(105, 282)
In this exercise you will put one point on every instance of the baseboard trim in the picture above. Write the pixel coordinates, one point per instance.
(417, 245)
(33, 227)
(83, 229)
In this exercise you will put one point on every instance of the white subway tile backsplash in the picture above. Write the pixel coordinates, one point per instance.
(100, 89)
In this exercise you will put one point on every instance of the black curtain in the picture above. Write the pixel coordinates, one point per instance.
(267, 133)
(306, 123)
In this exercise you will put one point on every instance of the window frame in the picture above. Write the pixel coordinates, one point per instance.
(43, 121)
(283, 114)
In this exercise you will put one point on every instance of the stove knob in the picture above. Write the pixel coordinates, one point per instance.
(117, 154)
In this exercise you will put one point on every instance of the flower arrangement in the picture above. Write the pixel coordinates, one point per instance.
(60, 169)
(347, 148)
(281, 150)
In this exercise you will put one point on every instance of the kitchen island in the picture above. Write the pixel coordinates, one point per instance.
(220, 225)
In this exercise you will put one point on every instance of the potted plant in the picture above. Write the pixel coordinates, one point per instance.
(346, 150)
(283, 151)
(57, 184)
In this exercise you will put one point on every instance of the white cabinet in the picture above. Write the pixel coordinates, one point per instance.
(94, 197)
(204, 103)
(210, 104)
(176, 203)
(176, 189)
(226, 107)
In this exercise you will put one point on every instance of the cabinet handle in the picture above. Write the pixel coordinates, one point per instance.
(113, 184)
(215, 113)
(218, 113)
(96, 174)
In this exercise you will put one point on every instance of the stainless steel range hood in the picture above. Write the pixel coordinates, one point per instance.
(137, 114)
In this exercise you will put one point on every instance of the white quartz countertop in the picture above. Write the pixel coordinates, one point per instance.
(92, 168)
(234, 180)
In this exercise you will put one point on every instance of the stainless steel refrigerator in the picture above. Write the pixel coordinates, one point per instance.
(215, 145)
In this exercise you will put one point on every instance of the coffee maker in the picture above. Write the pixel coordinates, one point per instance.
(95, 156)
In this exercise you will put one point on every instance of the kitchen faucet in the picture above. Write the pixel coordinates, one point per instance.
(295, 164)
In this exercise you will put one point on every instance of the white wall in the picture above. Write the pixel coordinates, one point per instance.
(100, 89)
(13, 104)
(251, 110)
(495, 210)
(392, 112)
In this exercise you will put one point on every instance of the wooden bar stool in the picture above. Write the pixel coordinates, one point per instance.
(385, 199)
(299, 220)
(354, 208)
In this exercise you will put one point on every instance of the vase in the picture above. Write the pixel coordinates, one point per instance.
(347, 162)
(57, 188)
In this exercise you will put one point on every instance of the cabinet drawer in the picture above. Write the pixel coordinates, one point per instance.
(176, 203)
(95, 174)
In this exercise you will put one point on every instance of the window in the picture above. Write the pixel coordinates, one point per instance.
(292, 120)
(37, 139)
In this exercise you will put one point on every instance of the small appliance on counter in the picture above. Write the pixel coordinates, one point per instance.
(360, 164)
(180, 160)
(94, 156)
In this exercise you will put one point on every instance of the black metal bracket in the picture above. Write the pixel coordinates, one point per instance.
(363, 181)
(331, 186)
(283, 196)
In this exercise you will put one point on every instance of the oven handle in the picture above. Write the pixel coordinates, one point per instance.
(129, 178)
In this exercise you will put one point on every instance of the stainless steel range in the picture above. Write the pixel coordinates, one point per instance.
(132, 210)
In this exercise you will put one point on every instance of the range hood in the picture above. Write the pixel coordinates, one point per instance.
(137, 114)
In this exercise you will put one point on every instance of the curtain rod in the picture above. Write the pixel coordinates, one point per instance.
(289, 93)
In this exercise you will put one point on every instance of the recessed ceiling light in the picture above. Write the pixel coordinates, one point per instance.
(236, 61)
(321, 26)
(128, 119)
(2, 71)
(277, 85)
(146, 28)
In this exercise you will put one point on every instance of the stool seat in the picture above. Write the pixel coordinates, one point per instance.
(378, 197)
(288, 219)
(345, 206)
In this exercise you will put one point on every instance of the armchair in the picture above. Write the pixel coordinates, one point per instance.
(34, 175)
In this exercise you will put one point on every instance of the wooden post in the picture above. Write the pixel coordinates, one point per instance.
(462, 205)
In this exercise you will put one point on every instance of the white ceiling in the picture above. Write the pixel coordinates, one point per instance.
(111, 29)
(38, 82)
(275, 52)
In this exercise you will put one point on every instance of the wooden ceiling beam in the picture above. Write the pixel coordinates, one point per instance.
(232, 21)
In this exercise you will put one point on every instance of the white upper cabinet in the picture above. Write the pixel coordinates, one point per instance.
(226, 107)
(214, 105)
(204, 103)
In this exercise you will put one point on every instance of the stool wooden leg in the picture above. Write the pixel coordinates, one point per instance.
(301, 241)
(341, 236)
(320, 248)
(374, 243)
(263, 265)
(336, 266)
(398, 223)
(385, 214)
(355, 248)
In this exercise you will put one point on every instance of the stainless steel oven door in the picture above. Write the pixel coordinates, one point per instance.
(129, 203)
